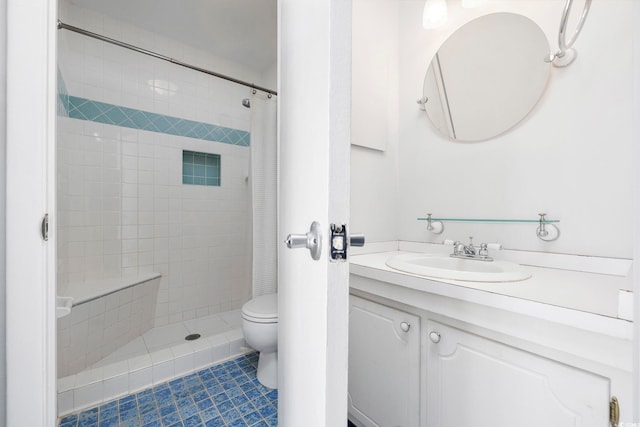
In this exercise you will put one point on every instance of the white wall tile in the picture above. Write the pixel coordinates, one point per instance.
(116, 386)
(86, 396)
(65, 402)
(162, 372)
(116, 369)
(220, 347)
(137, 177)
(140, 379)
(183, 364)
(112, 322)
(139, 362)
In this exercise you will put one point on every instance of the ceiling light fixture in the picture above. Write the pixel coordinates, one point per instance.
(434, 14)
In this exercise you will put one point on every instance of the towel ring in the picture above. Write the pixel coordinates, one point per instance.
(566, 54)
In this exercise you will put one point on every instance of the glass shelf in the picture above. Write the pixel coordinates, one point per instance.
(547, 230)
(537, 221)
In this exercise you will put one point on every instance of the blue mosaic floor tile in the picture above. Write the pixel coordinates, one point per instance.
(226, 395)
(71, 420)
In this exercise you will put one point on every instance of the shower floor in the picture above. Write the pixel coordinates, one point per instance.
(159, 355)
(226, 394)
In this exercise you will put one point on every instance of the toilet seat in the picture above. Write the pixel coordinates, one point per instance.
(262, 309)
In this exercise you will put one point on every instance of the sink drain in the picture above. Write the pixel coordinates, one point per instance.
(192, 337)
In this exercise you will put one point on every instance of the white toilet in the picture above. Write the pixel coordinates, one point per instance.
(260, 328)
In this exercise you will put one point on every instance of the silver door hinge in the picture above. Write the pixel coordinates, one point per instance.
(44, 227)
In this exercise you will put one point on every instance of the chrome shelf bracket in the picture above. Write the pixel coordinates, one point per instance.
(434, 226)
(547, 231)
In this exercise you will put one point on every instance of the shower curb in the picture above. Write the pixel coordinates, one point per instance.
(95, 386)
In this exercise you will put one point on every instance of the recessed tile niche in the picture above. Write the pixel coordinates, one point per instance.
(200, 168)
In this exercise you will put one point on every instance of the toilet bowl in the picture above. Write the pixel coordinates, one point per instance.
(260, 328)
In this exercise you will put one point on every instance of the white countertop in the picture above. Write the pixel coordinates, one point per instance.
(577, 298)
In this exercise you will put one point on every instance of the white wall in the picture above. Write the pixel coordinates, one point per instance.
(93, 21)
(374, 129)
(571, 157)
(123, 207)
(270, 77)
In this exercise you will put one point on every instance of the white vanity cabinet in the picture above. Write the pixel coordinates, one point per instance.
(466, 363)
(384, 365)
(476, 381)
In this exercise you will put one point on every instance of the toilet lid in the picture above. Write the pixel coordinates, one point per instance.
(262, 307)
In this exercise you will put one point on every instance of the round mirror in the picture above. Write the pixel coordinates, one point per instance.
(486, 77)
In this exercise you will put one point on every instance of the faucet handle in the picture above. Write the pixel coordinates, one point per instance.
(484, 250)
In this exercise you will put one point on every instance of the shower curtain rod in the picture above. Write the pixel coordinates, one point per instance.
(62, 25)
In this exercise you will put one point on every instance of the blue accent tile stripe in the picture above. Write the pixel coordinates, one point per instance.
(200, 168)
(101, 112)
(226, 395)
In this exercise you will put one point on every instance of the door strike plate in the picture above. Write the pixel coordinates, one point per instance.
(338, 243)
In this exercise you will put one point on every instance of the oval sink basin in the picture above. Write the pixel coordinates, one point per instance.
(446, 267)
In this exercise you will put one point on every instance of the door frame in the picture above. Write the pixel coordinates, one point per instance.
(636, 207)
(30, 170)
(30, 193)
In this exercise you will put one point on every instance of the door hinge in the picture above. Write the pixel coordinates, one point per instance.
(44, 227)
(614, 411)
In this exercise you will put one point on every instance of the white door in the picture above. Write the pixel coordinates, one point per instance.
(314, 110)
(30, 262)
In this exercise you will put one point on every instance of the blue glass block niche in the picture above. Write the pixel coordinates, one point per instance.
(200, 168)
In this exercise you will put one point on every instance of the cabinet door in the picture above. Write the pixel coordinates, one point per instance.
(475, 381)
(384, 365)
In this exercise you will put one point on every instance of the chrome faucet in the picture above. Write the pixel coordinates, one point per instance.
(460, 250)
(469, 249)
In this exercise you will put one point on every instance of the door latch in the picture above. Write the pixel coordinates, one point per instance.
(340, 242)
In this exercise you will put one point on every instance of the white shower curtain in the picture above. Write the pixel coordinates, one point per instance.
(264, 185)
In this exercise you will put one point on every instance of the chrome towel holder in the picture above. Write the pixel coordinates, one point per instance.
(547, 229)
(565, 55)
